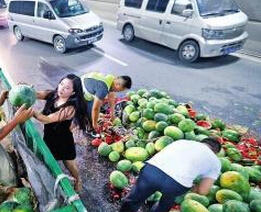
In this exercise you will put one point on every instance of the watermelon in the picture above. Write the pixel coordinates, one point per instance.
(130, 143)
(114, 156)
(104, 149)
(135, 98)
(183, 110)
(140, 122)
(175, 118)
(22, 196)
(118, 179)
(23, 208)
(231, 135)
(179, 199)
(124, 165)
(235, 206)
(254, 194)
(140, 143)
(160, 117)
(173, 132)
(255, 205)
(224, 195)
(201, 130)
(225, 164)
(151, 105)
(162, 142)
(155, 197)
(254, 174)
(117, 122)
(212, 194)
(136, 154)
(149, 125)
(8, 206)
(197, 197)
(234, 154)
(153, 134)
(142, 91)
(239, 168)
(200, 117)
(22, 94)
(137, 166)
(190, 135)
(118, 146)
(142, 102)
(150, 147)
(134, 116)
(200, 137)
(160, 126)
(215, 208)
(218, 124)
(190, 205)
(129, 109)
(155, 93)
(139, 132)
(162, 108)
(186, 125)
(235, 181)
(148, 113)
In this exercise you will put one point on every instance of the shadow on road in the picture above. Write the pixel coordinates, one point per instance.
(152, 50)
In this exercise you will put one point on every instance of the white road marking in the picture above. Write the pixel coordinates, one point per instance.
(247, 57)
(110, 57)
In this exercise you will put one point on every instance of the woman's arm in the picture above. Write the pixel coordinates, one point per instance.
(61, 115)
(42, 94)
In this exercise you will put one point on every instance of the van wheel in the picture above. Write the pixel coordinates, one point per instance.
(188, 51)
(59, 44)
(18, 33)
(128, 33)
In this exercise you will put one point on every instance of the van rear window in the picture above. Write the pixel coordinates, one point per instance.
(133, 3)
(22, 7)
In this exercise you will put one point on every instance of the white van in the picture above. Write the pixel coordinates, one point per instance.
(64, 23)
(3, 13)
(196, 28)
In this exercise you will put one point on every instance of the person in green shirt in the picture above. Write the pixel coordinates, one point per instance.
(97, 87)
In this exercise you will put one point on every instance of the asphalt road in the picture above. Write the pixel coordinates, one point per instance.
(225, 87)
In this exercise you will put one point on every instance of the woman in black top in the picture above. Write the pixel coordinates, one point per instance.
(64, 106)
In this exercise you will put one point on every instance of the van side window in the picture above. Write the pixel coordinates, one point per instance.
(133, 3)
(181, 5)
(157, 5)
(22, 7)
(42, 9)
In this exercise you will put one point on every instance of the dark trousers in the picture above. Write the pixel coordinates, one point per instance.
(150, 180)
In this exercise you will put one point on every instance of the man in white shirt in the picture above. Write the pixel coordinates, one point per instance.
(172, 172)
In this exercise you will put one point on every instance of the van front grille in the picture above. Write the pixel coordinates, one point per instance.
(93, 34)
(233, 32)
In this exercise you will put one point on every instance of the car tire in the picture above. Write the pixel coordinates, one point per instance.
(189, 51)
(59, 44)
(128, 33)
(18, 34)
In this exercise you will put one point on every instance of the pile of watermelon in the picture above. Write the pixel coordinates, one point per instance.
(19, 200)
(155, 121)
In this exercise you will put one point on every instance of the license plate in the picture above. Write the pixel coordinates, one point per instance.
(91, 40)
(231, 49)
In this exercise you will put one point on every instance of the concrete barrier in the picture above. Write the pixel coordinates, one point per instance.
(251, 7)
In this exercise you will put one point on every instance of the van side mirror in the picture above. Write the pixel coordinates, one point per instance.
(48, 15)
(187, 13)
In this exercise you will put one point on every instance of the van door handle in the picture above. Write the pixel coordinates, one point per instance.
(160, 21)
(168, 22)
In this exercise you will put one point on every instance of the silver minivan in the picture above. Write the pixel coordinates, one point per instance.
(195, 28)
(64, 23)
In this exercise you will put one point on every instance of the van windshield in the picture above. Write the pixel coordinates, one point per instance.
(68, 8)
(2, 4)
(217, 7)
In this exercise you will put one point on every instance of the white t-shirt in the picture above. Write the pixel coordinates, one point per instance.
(186, 160)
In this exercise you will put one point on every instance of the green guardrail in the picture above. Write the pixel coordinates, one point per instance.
(39, 147)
